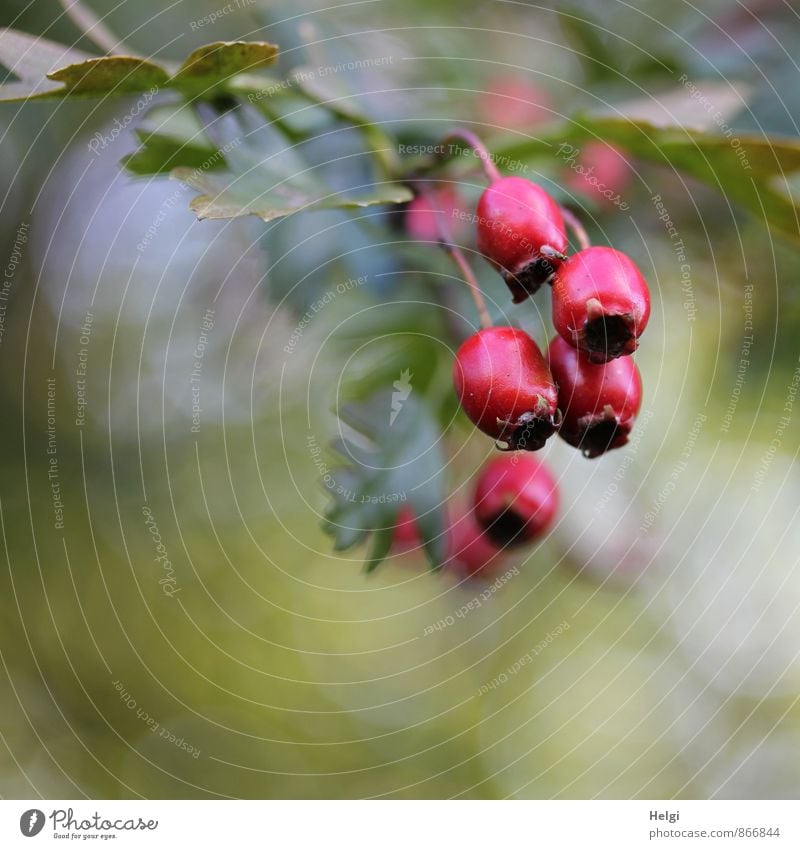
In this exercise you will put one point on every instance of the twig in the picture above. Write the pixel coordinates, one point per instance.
(469, 138)
(92, 27)
(457, 255)
(577, 228)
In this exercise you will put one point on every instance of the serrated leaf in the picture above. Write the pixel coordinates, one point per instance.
(110, 74)
(172, 137)
(49, 70)
(229, 196)
(756, 172)
(395, 462)
(381, 545)
(214, 64)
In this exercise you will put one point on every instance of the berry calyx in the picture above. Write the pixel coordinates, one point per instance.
(599, 402)
(520, 230)
(601, 303)
(438, 202)
(516, 499)
(471, 552)
(503, 384)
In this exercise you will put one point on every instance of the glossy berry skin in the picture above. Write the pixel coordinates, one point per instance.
(442, 202)
(516, 499)
(503, 384)
(599, 402)
(520, 230)
(470, 551)
(601, 303)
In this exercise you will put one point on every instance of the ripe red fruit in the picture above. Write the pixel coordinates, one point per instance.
(505, 387)
(601, 173)
(516, 499)
(599, 403)
(520, 231)
(439, 201)
(405, 535)
(601, 303)
(470, 551)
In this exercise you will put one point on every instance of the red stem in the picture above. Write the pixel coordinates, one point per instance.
(471, 140)
(457, 255)
(577, 228)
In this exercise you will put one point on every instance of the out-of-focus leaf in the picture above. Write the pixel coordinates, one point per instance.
(213, 65)
(110, 75)
(48, 69)
(756, 172)
(172, 137)
(31, 58)
(91, 26)
(392, 447)
(601, 63)
(233, 196)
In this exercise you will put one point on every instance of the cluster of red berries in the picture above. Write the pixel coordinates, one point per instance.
(587, 389)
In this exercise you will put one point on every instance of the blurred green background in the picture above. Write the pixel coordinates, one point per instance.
(274, 668)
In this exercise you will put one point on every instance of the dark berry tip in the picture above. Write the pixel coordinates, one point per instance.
(531, 431)
(601, 433)
(529, 278)
(607, 337)
(507, 529)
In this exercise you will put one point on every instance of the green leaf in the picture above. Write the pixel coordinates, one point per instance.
(214, 65)
(394, 457)
(755, 171)
(110, 75)
(171, 137)
(233, 196)
(46, 69)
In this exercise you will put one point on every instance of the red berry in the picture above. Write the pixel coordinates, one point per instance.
(601, 173)
(514, 103)
(601, 303)
(470, 551)
(516, 499)
(520, 231)
(405, 535)
(505, 387)
(599, 403)
(438, 202)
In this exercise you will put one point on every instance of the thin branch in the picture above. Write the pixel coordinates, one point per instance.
(572, 221)
(469, 138)
(92, 26)
(457, 255)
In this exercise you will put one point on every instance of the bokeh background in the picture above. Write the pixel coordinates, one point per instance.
(659, 618)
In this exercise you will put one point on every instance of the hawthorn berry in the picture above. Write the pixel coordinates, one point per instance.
(599, 402)
(405, 534)
(601, 173)
(513, 102)
(520, 231)
(601, 303)
(516, 499)
(421, 214)
(470, 550)
(503, 384)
